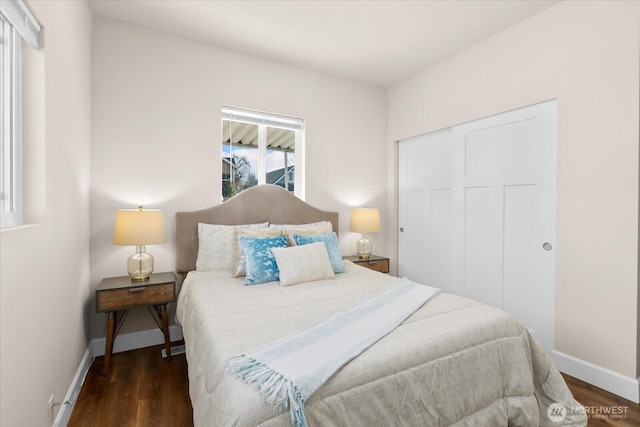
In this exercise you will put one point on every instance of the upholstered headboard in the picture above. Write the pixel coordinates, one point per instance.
(263, 203)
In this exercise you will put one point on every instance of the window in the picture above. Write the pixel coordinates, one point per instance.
(16, 24)
(260, 148)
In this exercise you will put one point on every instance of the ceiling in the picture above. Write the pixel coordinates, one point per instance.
(377, 42)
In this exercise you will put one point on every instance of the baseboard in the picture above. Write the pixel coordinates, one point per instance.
(618, 384)
(135, 340)
(124, 342)
(64, 413)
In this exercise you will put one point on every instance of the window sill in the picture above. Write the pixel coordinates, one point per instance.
(18, 227)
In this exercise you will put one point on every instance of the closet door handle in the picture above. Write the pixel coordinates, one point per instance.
(547, 246)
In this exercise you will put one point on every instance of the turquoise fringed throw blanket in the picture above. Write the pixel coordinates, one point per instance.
(288, 371)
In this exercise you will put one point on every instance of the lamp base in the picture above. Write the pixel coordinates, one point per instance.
(364, 247)
(140, 265)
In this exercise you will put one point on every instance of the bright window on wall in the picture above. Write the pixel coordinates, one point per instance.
(16, 24)
(261, 148)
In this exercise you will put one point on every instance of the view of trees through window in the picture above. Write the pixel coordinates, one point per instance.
(243, 176)
(257, 151)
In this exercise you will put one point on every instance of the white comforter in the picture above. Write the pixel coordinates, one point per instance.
(453, 362)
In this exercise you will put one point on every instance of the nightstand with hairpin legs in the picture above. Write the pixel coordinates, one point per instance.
(116, 295)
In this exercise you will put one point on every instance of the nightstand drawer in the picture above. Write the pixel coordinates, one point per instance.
(375, 262)
(118, 299)
(381, 265)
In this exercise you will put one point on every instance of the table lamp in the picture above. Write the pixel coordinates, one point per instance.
(364, 220)
(139, 227)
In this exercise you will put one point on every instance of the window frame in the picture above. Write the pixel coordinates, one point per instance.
(11, 116)
(17, 24)
(270, 120)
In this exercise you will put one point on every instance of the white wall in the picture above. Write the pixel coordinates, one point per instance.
(586, 55)
(44, 267)
(156, 102)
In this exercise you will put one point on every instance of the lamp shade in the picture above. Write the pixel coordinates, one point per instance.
(365, 220)
(138, 227)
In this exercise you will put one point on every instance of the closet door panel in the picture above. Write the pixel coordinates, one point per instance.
(424, 200)
(482, 246)
(440, 248)
(520, 287)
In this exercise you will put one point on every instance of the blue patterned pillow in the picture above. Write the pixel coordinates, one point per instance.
(331, 241)
(261, 266)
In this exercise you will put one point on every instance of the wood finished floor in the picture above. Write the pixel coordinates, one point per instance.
(143, 389)
(597, 402)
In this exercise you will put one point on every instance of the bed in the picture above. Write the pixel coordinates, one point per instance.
(454, 361)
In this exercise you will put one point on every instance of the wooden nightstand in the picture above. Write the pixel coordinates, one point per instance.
(116, 295)
(377, 263)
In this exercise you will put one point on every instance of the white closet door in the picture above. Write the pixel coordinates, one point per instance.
(425, 209)
(491, 236)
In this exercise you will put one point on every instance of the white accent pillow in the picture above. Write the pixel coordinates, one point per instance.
(215, 245)
(306, 263)
(320, 227)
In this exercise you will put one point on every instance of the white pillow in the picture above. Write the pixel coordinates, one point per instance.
(215, 245)
(320, 227)
(306, 263)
